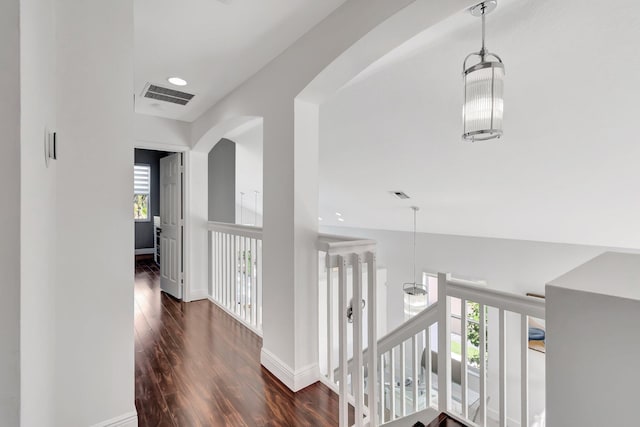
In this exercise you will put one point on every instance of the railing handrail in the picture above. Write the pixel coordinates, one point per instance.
(417, 323)
(471, 291)
(458, 288)
(236, 229)
(340, 244)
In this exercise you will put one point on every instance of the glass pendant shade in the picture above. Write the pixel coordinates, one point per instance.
(483, 105)
(414, 304)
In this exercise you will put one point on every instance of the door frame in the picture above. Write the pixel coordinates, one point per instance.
(186, 214)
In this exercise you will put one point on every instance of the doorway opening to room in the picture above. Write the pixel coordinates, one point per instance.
(158, 212)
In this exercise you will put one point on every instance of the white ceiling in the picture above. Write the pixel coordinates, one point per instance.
(215, 45)
(568, 166)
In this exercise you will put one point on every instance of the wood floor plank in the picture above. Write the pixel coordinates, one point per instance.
(197, 366)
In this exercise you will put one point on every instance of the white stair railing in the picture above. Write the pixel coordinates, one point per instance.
(406, 360)
(353, 261)
(235, 271)
(500, 304)
(405, 367)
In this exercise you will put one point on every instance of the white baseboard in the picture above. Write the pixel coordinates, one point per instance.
(145, 251)
(230, 313)
(294, 380)
(198, 294)
(126, 420)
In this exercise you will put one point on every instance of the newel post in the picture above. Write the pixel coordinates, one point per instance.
(444, 345)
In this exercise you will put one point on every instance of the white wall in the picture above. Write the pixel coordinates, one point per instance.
(38, 215)
(94, 360)
(592, 344)
(160, 133)
(197, 215)
(10, 213)
(249, 175)
(222, 182)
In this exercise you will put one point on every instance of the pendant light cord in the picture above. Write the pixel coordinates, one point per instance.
(483, 51)
(415, 211)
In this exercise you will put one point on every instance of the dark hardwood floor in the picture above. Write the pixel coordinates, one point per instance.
(196, 366)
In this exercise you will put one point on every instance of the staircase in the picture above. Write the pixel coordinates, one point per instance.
(412, 381)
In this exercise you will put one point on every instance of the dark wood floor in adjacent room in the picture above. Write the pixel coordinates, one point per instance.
(444, 420)
(196, 366)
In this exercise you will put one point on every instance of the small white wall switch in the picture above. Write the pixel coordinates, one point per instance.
(53, 146)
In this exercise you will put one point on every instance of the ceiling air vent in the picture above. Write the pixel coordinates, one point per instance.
(165, 94)
(400, 195)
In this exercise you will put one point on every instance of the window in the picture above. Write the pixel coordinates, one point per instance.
(141, 192)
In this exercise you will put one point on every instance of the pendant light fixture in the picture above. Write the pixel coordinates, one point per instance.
(482, 109)
(415, 293)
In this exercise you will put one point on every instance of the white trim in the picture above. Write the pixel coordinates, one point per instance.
(145, 251)
(333, 386)
(129, 419)
(198, 294)
(235, 317)
(294, 380)
(161, 146)
(186, 226)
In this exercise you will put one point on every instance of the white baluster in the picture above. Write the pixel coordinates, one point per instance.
(356, 373)
(259, 282)
(428, 366)
(483, 365)
(503, 367)
(403, 393)
(342, 321)
(245, 279)
(392, 366)
(524, 370)
(415, 366)
(254, 283)
(382, 405)
(444, 345)
(225, 269)
(372, 354)
(463, 365)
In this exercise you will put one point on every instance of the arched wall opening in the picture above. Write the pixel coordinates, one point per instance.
(235, 176)
(286, 94)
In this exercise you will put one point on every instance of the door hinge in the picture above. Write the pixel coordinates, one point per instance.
(181, 277)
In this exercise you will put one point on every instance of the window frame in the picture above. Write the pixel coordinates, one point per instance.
(148, 218)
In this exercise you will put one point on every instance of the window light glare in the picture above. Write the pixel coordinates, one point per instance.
(177, 81)
(341, 219)
(338, 214)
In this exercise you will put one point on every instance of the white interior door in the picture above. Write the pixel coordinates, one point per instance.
(171, 223)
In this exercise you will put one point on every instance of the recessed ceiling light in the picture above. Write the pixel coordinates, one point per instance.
(341, 219)
(319, 218)
(338, 214)
(177, 81)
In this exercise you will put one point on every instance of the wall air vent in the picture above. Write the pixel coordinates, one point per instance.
(400, 195)
(165, 94)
